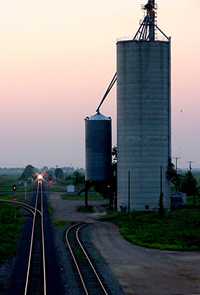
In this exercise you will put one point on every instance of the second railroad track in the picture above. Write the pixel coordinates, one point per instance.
(90, 280)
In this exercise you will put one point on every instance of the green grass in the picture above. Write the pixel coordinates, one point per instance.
(197, 176)
(11, 222)
(6, 197)
(50, 210)
(179, 230)
(92, 197)
(61, 223)
(80, 255)
(9, 196)
(58, 189)
(6, 183)
(6, 193)
(193, 201)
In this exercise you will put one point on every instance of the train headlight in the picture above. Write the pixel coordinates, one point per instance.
(40, 177)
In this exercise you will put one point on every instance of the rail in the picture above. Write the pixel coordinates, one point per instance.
(37, 226)
(91, 281)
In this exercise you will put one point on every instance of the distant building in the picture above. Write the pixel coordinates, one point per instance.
(71, 189)
(178, 200)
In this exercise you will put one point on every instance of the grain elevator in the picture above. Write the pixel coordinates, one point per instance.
(144, 116)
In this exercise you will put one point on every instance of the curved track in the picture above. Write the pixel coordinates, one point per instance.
(20, 204)
(90, 281)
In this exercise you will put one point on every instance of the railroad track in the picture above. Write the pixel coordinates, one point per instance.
(91, 282)
(23, 205)
(36, 270)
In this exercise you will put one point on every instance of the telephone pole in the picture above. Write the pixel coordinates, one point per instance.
(176, 159)
(190, 165)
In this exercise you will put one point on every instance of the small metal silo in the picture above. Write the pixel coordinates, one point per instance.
(98, 148)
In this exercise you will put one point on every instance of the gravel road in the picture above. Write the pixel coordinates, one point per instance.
(142, 271)
(139, 271)
(67, 209)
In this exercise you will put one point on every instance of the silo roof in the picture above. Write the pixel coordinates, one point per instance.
(98, 117)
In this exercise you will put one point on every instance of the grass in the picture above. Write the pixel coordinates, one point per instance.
(11, 222)
(80, 255)
(61, 188)
(6, 193)
(92, 197)
(61, 223)
(193, 201)
(179, 230)
(10, 196)
(57, 189)
(6, 183)
(50, 210)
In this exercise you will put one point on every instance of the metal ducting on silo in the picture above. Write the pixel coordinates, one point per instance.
(98, 148)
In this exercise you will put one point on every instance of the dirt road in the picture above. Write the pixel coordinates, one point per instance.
(142, 271)
(139, 271)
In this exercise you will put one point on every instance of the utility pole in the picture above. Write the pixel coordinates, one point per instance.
(190, 165)
(161, 179)
(177, 182)
(87, 186)
(25, 190)
(176, 159)
(161, 199)
(129, 191)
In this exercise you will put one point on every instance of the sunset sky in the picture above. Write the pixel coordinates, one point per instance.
(56, 59)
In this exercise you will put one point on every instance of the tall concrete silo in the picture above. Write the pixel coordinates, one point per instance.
(143, 117)
(98, 148)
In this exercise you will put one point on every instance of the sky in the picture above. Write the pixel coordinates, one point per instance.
(56, 59)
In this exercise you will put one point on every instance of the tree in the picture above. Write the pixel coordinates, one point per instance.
(59, 174)
(28, 172)
(189, 184)
(79, 178)
(161, 205)
(173, 176)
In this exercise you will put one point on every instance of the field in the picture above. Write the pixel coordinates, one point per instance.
(61, 188)
(193, 201)
(6, 183)
(11, 219)
(178, 230)
(91, 197)
(11, 222)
